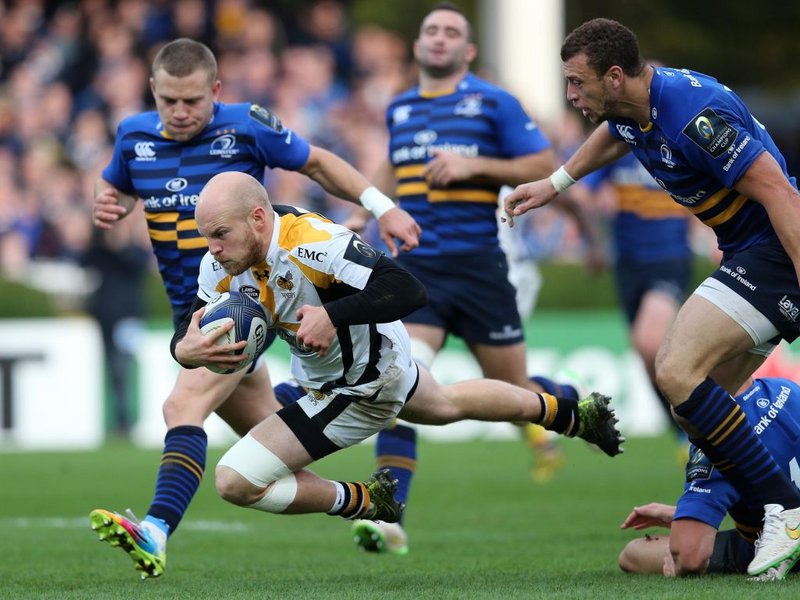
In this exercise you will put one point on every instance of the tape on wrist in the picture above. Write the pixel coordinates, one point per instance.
(561, 180)
(375, 202)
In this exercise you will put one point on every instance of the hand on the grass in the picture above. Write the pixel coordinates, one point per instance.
(649, 515)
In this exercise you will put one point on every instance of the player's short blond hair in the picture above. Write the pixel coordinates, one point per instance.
(183, 56)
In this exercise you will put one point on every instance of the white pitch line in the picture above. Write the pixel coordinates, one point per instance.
(83, 523)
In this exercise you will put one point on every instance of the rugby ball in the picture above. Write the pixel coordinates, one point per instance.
(249, 323)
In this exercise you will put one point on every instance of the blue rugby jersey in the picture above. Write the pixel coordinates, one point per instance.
(167, 175)
(474, 119)
(700, 140)
(648, 225)
(772, 407)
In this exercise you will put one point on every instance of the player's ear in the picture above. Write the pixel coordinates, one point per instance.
(472, 52)
(259, 217)
(616, 75)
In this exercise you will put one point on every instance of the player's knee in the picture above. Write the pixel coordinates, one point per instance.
(234, 488)
(625, 561)
(646, 347)
(246, 473)
(178, 410)
(629, 559)
(670, 374)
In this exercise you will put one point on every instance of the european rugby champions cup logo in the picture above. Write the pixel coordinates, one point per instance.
(704, 127)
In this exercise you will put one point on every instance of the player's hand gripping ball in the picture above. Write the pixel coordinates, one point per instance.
(250, 323)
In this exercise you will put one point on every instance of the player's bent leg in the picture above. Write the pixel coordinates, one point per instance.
(591, 419)
(645, 555)
(264, 471)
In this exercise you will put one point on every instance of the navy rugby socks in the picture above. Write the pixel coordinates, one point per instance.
(183, 463)
(728, 440)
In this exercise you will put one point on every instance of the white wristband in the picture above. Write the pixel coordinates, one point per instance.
(561, 180)
(375, 202)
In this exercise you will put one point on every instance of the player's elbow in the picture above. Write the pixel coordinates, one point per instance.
(690, 562)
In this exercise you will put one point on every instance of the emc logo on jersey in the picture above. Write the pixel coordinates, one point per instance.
(224, 146)
(176, 185)
(144, 151)
(314, 255)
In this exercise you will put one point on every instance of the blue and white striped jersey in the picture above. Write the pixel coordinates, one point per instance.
(168, 175)
(474, 119)
(700, 140)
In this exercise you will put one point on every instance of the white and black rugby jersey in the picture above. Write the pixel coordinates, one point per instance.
(312, 260)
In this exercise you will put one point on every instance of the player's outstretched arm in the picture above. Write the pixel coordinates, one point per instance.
(526, 197)
(341, 179)
(110, 205)
(598, 150)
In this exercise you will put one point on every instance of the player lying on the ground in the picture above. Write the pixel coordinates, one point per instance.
(694, 546)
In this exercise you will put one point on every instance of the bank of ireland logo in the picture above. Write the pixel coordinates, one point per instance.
(224, 146)
(762, 403)
(176, 185)
(144, 151)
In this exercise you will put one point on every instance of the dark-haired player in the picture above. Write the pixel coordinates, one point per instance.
(701, 143)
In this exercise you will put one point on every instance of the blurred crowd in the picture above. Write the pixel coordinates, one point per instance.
(70, 71)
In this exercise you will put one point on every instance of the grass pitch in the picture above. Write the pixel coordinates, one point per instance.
(479, 528)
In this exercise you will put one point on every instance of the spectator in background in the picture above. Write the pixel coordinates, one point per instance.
(324, 22)
(120, 259)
